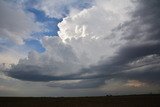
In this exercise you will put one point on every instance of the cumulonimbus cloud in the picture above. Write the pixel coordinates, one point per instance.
(99, 43)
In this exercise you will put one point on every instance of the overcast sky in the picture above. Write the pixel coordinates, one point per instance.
(79, 47)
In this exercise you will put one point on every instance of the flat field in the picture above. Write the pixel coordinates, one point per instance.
(102, 101)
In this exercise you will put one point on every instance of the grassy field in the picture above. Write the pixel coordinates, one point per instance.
(105, 101)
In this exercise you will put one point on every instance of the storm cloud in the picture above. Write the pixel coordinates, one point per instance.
(139, 58)
(103, 42)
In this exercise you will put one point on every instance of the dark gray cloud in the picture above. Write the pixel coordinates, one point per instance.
(134, 52)
(34, 73)
(145, 21)
(142, 34)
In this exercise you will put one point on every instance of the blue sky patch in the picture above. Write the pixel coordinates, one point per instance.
(49, 23)
(35, 45)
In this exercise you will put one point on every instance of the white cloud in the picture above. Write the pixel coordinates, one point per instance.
(12, 54)
(60, 8)
(92, 29)
(54, 8)
(15, 24)
(57, 59)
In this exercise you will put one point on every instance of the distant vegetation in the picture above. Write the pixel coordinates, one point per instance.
(149, 100)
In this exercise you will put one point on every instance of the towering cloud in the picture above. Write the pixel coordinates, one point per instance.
(97, 46)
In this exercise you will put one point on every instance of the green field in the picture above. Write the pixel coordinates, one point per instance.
(104, 101)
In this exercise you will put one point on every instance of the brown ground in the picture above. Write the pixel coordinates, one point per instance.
(107, 101)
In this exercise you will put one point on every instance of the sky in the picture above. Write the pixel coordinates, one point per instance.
(79, 47)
